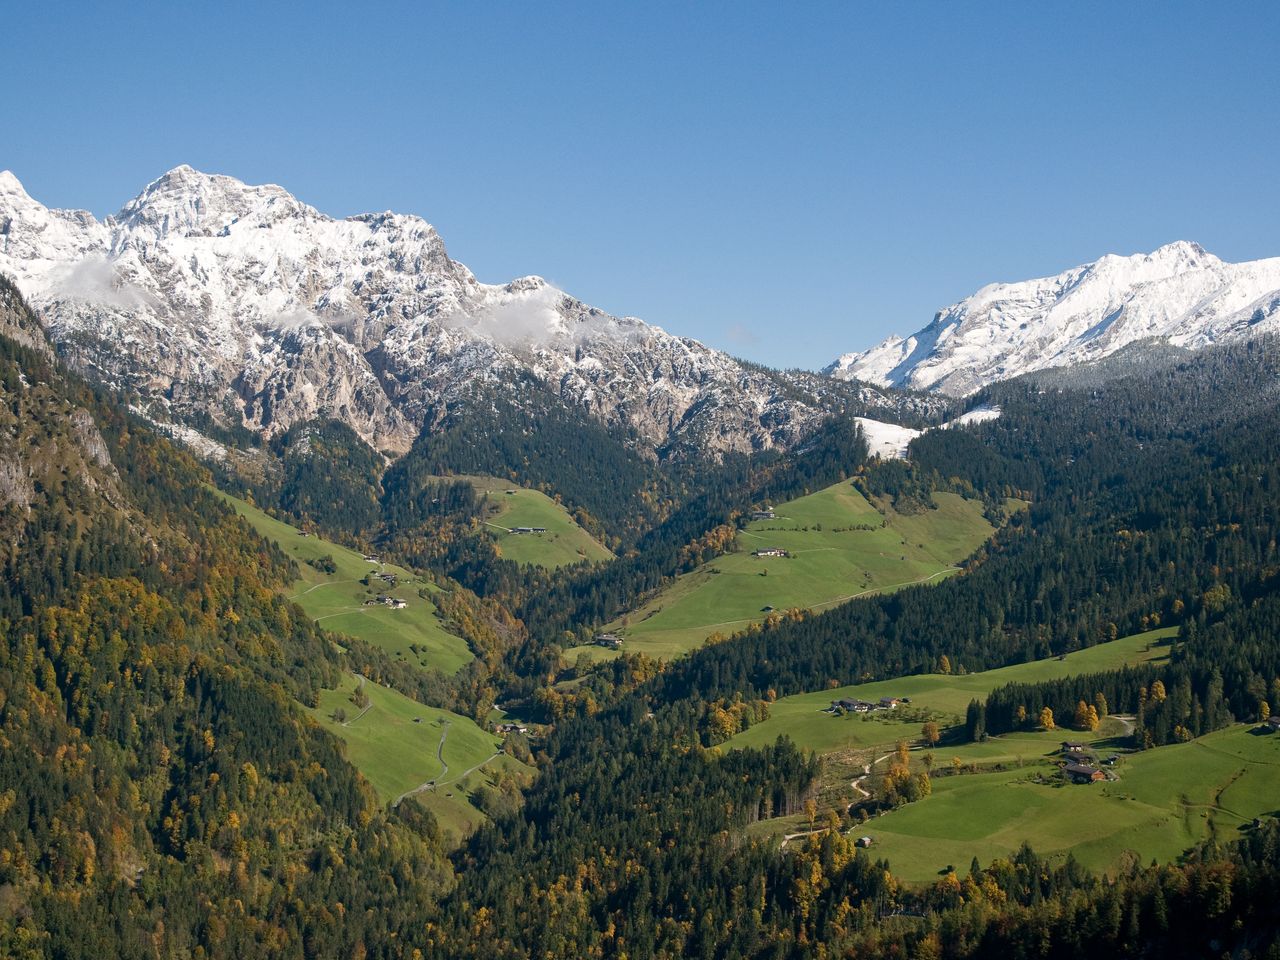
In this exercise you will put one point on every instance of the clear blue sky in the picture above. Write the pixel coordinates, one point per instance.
(786, 182)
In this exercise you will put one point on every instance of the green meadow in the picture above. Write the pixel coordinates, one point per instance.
(804, 719)
(840, 546)
(563, 543)
(336, 600)
(989, 797)
(1164, 801)
(401, 746)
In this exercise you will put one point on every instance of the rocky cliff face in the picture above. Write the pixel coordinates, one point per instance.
(210, 296)
(1180, 295)
(47, 442)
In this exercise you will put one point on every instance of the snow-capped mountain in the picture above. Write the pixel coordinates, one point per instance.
(1180, 294)
(212, 297)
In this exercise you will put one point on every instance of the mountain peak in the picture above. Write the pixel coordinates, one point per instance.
(1185, 251)
(187, 200)
(1179, 293)
(11, 185)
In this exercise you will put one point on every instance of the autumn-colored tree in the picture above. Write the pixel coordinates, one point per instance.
(1046, 719)
(1100, 704)
(1157, 691)
(930, 733)
(944, 664)
(1081, 719)
(903, 753)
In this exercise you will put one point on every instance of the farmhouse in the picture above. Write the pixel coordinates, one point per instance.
(512, 728)
(1082, 773)
(371, 558)
(765, 514)
(528, 529)
(852, 705)
(1273, 723)
(889, 703)
(863, 842)
(770, 552)
(611, 640)
(1072, 746)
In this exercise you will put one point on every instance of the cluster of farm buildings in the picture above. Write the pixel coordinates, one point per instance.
(853, 705)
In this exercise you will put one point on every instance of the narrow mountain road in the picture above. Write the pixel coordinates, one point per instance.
(328, 583)
(340, 613)
(466, 773)
(866, 772)
(888, 586)
(444, 768)
(368, 706)
(788, 837)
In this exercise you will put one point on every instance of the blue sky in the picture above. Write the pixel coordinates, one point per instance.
(787, 182)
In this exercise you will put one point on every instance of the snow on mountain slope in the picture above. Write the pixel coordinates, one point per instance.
(1180, 294)
(212, 297)
(889, 441)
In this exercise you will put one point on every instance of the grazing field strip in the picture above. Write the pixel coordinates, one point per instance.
(838, 547)
(337, 585)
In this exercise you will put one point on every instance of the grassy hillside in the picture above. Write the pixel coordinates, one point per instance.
(402, 746)
(840, 547)
(1164, 801)
(803, 718)
(989, 797)
(563, 543)
(336, 599)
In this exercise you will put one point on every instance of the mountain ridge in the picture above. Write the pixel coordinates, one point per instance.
(1179, 294)
(211, 297)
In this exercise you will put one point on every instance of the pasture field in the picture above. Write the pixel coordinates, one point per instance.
(840, 546)
(1164, 801)
(400, 746)
(563, 543)
(335, 599)
(802, 717)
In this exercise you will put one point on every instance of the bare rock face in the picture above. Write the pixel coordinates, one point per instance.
(46, 441)
(16, 484)
(210, 296)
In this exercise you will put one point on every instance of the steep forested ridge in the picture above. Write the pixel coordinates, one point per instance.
(161, 793)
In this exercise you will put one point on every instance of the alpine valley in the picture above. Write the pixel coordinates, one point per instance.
(353, 607)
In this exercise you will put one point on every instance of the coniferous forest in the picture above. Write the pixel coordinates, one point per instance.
(163, 792)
